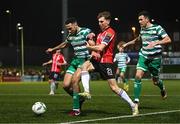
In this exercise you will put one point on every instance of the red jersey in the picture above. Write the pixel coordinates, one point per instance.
(57, 58)
(106, 37)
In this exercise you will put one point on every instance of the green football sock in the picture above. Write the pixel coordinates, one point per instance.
(75, 100)
(137, 89)
(160, 84)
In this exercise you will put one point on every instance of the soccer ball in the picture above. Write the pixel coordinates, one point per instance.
(39, 108)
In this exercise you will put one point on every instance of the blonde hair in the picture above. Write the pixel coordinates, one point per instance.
(120, 44)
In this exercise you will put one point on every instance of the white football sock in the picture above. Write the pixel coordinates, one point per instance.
(52, 86)
(125, 96)
(85, 77)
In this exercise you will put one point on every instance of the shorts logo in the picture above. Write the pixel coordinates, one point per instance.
(109, 71)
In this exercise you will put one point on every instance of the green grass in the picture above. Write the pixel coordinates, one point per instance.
(16, 100)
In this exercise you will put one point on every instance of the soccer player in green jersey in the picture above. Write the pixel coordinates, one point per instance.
(78, 38)
(153, 36)
(122, 60)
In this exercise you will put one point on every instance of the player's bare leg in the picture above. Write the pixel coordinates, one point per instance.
(67, 83)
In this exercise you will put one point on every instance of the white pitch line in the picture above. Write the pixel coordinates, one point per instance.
(113, 95)
(119, 117)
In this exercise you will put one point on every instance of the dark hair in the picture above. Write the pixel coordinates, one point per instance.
(145, 13)
(105, 14)
(71, 20)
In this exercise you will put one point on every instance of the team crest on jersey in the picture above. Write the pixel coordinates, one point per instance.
(109, 35)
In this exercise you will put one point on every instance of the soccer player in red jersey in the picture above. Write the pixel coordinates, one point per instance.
(57, 61)
(102, 60)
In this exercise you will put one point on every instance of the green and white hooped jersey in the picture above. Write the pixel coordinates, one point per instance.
(121, 59)
(78, 41)
(151, 34)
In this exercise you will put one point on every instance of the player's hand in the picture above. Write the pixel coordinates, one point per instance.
(43, 64)
(49, 50)
(124, 45)
(91, 42)
(91, 36)
(150, 45)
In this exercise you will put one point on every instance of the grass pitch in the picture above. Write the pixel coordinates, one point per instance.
(16, 100)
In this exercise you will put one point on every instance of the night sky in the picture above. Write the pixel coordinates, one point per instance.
(42, 23)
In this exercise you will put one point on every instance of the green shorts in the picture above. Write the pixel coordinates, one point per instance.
(151, 65)
(75, 63)
(123, 69)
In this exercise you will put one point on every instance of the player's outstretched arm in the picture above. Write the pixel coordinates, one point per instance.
(46, 63)
(60, 46)
(97, 48)
(131, 42)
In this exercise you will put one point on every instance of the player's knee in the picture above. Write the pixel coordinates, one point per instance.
(115, 89)
(50, 81)
(86, 66)
(66, 86)
(76, 79)
(83, 68)
(139, 75)
(137, 78)
(122, 75)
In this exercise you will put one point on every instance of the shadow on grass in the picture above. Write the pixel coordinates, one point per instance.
(88, 112)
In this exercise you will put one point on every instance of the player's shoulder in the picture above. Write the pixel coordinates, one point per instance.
(110, 29)
(157, 26)
(85, 29)
(110, 32)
